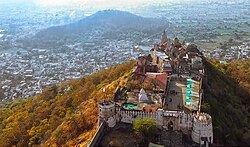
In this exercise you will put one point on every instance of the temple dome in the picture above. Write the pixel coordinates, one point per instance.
(143, 96)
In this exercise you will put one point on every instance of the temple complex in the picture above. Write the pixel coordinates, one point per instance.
(166, 86)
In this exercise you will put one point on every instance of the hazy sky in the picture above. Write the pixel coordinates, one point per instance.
(102, 3)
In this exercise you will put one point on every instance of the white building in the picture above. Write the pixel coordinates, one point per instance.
(199, 124)
(202, 131)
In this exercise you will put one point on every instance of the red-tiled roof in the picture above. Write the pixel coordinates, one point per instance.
(161, 79)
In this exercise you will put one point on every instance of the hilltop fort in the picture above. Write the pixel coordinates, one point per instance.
(166, 86)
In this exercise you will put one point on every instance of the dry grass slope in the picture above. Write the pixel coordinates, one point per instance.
(63, 115)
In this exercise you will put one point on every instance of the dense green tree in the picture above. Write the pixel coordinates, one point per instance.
(145, 129)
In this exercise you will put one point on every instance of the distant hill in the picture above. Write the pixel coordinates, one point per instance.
(111, 24)
(67, 114)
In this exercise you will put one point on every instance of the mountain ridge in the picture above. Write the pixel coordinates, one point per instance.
(109, 24)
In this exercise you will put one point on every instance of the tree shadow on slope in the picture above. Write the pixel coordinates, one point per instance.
(228, 104)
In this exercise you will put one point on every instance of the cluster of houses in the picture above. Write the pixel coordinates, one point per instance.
(234, 52)
(166, 86)
(25, 73)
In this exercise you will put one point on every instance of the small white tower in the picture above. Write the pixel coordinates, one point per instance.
(107, 113)
(202, 132)
(143, 96)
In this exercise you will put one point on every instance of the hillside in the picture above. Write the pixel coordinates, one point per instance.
(67, 114)
(107, 24)
(227, 96)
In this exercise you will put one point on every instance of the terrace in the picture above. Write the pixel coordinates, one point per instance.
(176, 93)
(182, 92)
